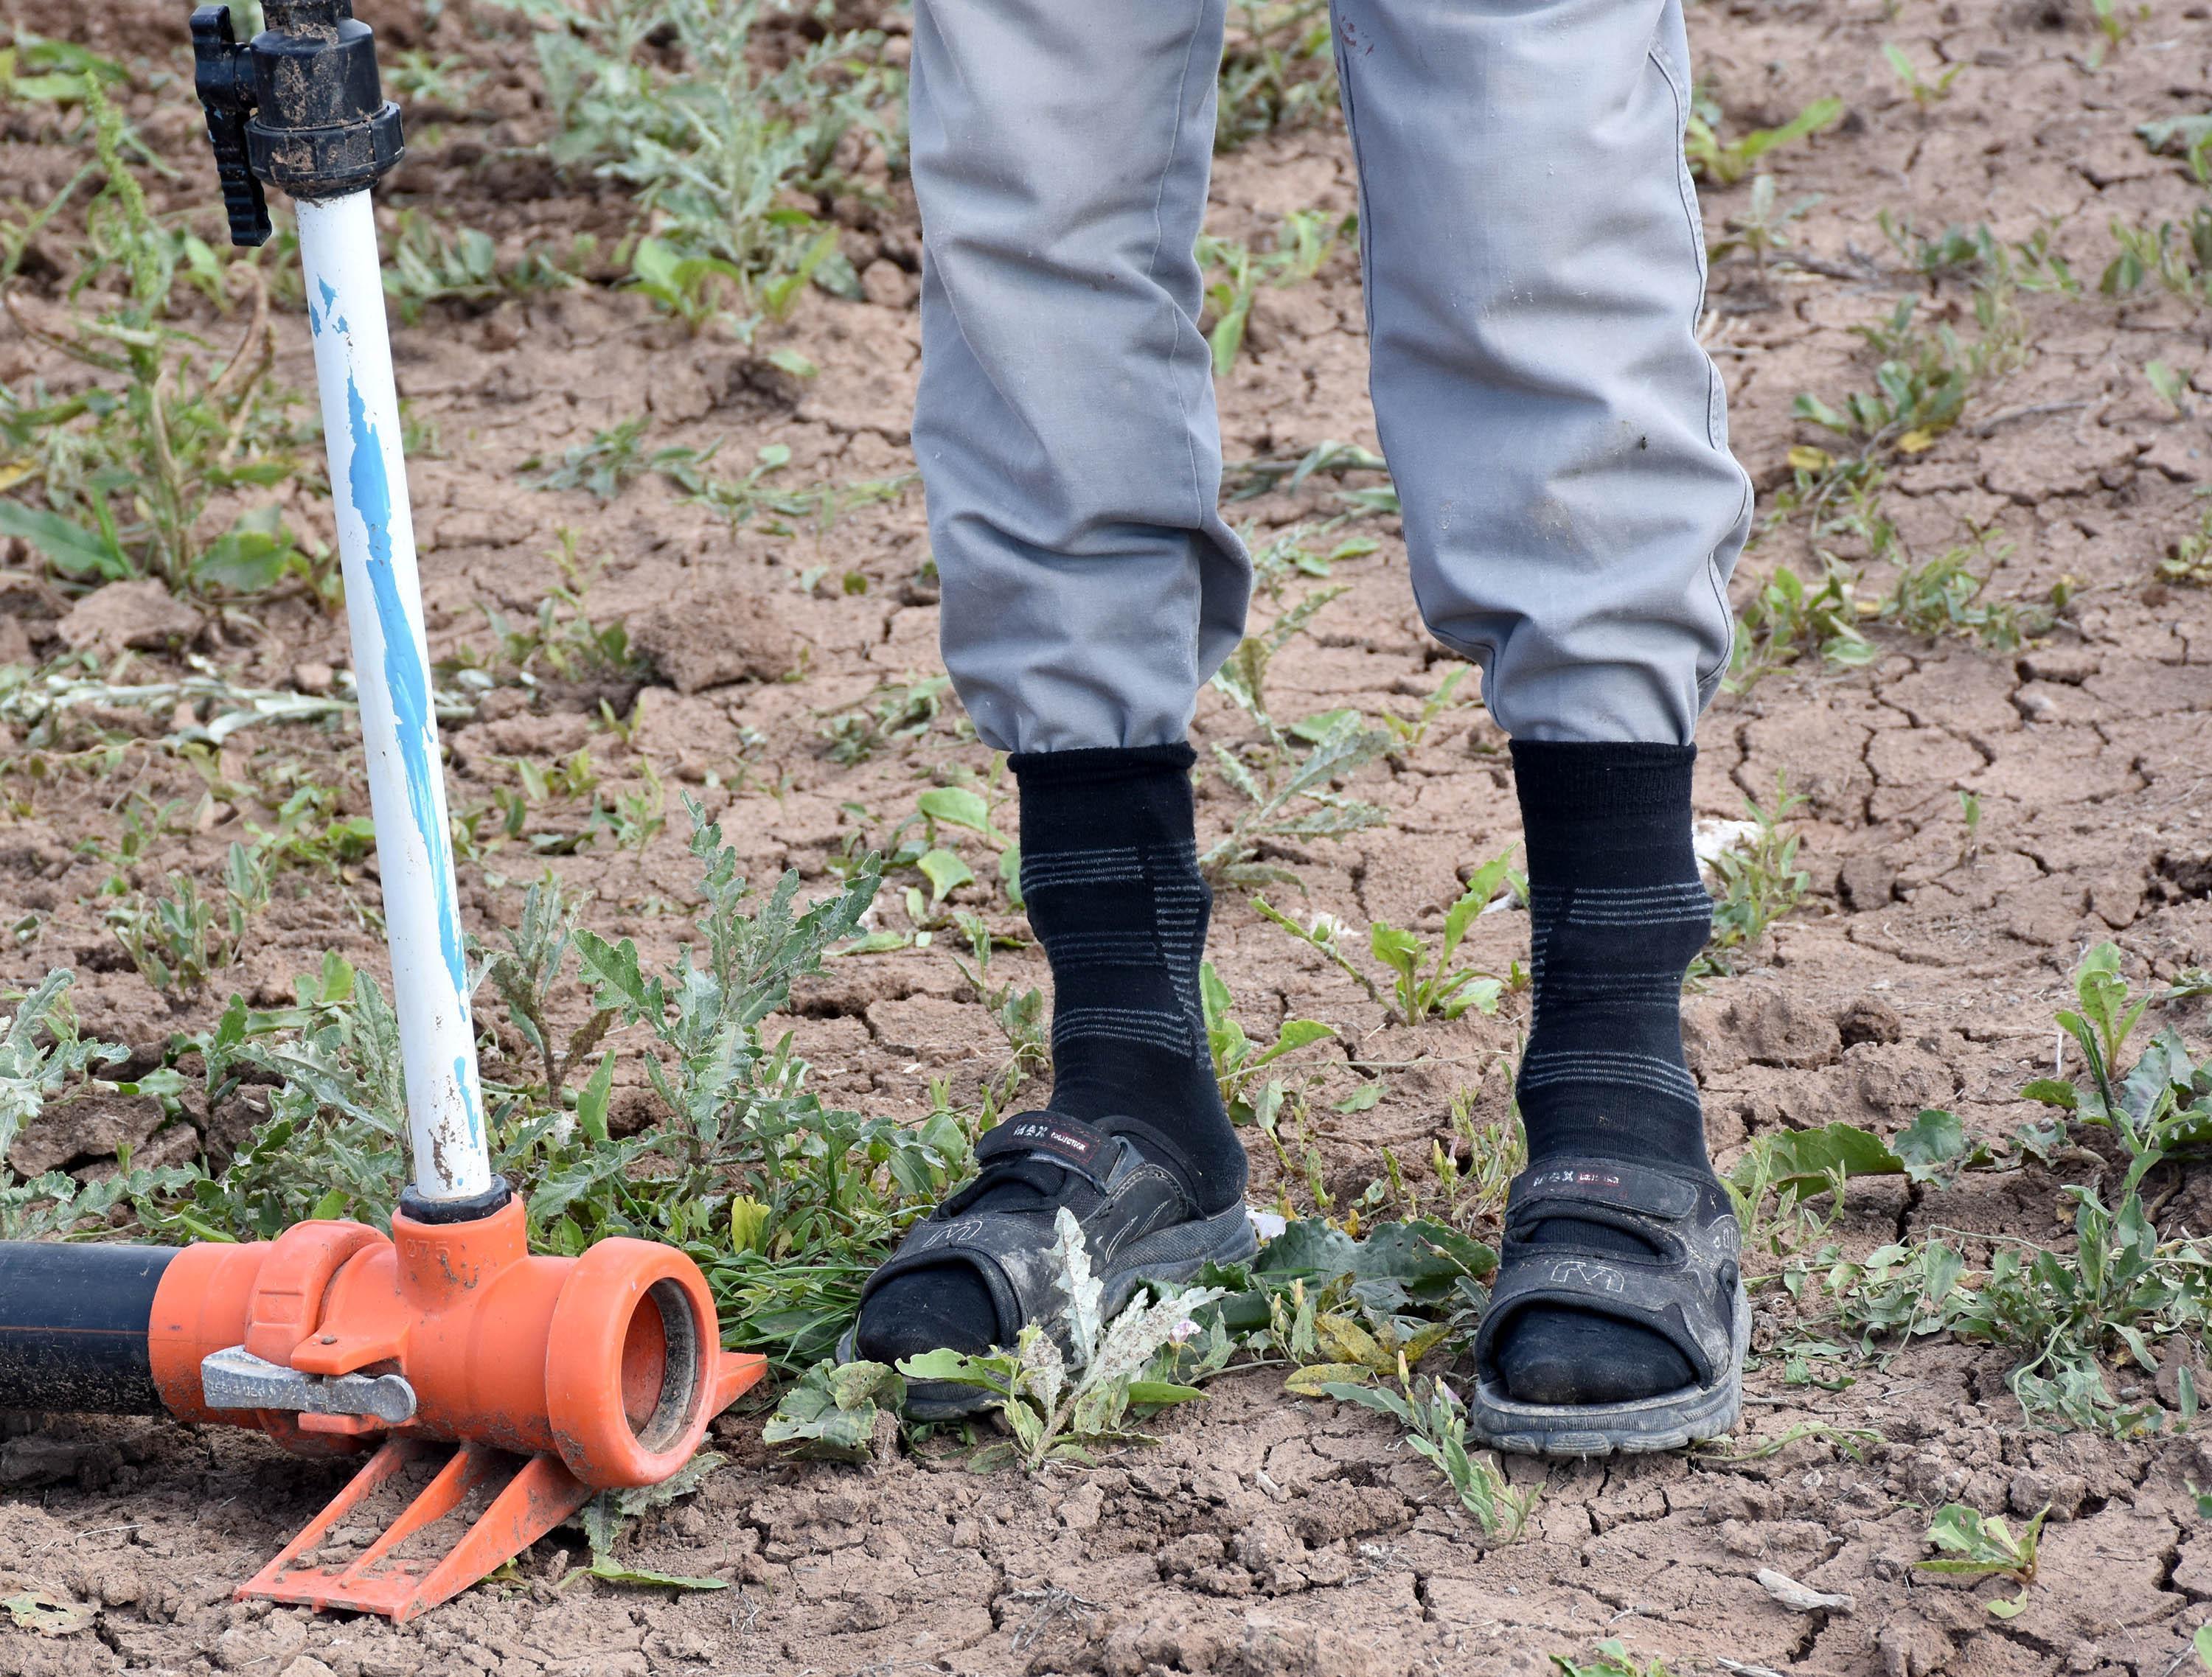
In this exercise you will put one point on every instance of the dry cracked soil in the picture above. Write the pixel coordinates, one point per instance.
(1267, 1534)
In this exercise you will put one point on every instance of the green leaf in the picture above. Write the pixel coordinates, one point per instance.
(591, 1103)
(47, 1612)
(1160, 1393)
(252, 557)
(2053, 1091)
(1932, 1144)
(830, 1414)
(991, 1373)
(1399, 950)
(1317, 727)
(2201, 1643)
(72, 548)
(608, 1572)
(1321, 1379)
(946, 872)
(1802, 1159)
(957, 806)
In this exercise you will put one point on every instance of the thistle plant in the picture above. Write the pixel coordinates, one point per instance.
(1063, 1402)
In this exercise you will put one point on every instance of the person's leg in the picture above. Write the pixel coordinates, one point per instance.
(1065, 421)
(1065, 430)
(1534, 268)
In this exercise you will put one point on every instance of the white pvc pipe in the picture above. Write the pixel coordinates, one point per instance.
(391, 664)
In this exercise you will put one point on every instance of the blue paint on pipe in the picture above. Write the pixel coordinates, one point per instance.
(408, 685)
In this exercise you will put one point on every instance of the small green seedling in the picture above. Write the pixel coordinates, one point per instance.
(1435, 1420)
(1427, 982)
(1612, 1659)
(1726, 162)
(1759, 882)
(1924, 90)
(2171, 384)
(1238, 1060)
(1980, 1546)
(1763, 226)
(1424, 982)
(830, 1414)
(1061, 1412)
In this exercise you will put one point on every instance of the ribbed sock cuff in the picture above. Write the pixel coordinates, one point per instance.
(1609, 816)
(1577, 780)
(1108, 795)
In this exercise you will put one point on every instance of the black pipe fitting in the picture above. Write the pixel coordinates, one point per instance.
(300, 107)
(73, 1321)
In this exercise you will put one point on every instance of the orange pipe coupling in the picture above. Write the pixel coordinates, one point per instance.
(613, 1361)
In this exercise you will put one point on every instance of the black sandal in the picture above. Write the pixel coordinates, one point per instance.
(1689, 1292)
(1138, 1225)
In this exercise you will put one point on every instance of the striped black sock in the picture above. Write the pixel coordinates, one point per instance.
(1110, 868)
(1619, 912)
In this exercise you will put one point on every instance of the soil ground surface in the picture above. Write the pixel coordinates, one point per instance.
(1267, 1534)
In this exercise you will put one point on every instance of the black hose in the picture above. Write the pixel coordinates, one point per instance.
(73, 1324)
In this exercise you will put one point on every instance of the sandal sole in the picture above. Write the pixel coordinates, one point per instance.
(1173, 1256)
(1671, 1421)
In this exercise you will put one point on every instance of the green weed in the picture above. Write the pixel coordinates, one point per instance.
(894, 712)
(830, 1414)
(667, 99)
(1922, 379)
(130, 468)
(741, 500)
(425, 265)
(1982, 1546)
(2178, 255)
(1946, 596)
(1304, 242)
(181, 940)
(1612, 1659)
(1424, 982)
(1238, 1061)
(2189, 559)
(2123, 1291)
(1061, 1406)
(1759, 882)
(605, 465)
(1725, 162)
(1435, 1421)
(1277, 70)
(1923, 90)
(604, 1516)
(1242, 480)
(1292, 801)
(786, 1204)
(1787, 619)
(1763, 226)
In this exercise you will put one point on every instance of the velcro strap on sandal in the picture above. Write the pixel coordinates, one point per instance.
(1069, 1141)
(1678, 1304)
(1633, 1188)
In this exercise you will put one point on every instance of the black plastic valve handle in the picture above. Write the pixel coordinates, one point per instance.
(223, 76)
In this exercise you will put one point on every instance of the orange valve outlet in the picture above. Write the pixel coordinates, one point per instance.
(627, 1386)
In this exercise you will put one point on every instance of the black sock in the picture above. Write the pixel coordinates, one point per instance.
(1109, 869)
(1619, 912)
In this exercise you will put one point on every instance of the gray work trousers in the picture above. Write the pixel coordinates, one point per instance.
(1534, 269)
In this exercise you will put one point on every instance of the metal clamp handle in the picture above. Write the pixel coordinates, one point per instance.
(237, 1379)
